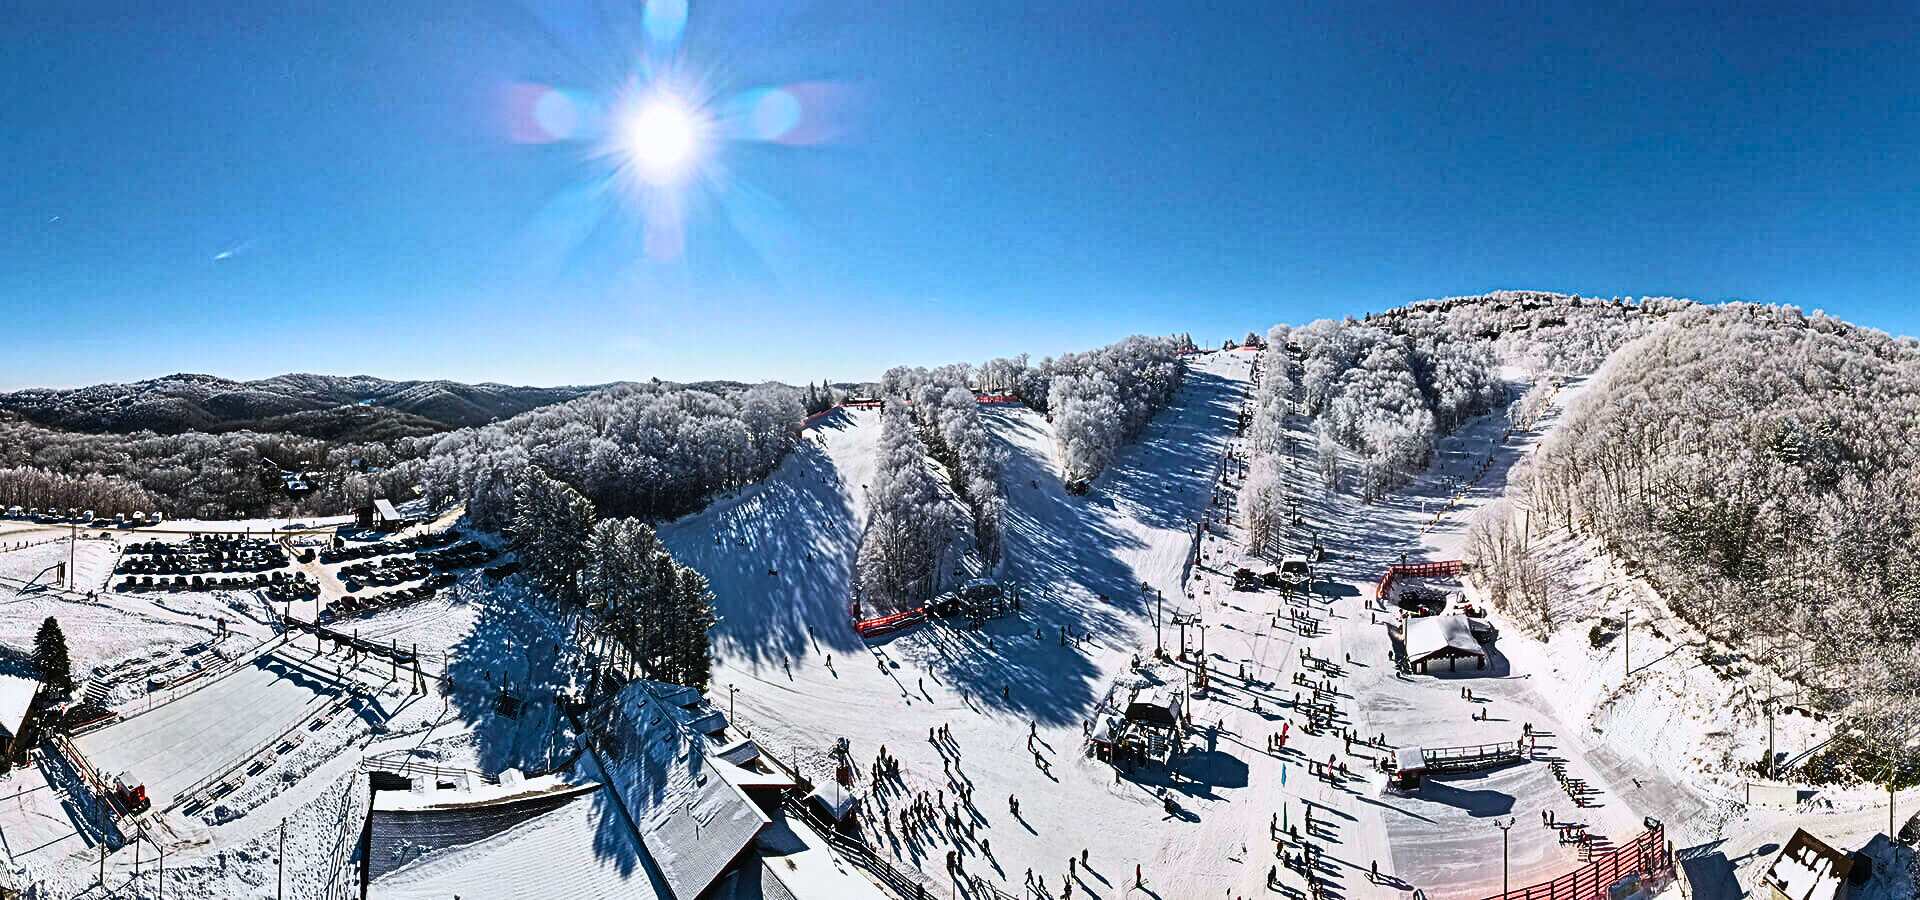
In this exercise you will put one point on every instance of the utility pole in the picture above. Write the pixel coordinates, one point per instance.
(1770, 756)
(1157, 651)
(281, 892)
(1626, 643)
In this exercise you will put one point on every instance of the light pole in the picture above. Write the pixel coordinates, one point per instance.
(731, 690)
(1504, 828)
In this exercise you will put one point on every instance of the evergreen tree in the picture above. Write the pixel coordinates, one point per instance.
(692, 618)
(50, 658)
(553, 533)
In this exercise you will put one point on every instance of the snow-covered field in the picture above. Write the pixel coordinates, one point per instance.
(179, 744)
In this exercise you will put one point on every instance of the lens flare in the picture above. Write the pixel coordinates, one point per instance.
(662, 137)
(775, 112)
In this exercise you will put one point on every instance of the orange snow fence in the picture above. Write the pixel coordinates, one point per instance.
(1440, 569)
(889, 624)
(1648, 856)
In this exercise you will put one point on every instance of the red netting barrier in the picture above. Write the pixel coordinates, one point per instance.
(890, 624)
(1440, 569)
(1646, 855)
(996, 398)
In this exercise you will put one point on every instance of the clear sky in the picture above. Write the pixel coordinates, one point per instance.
(450, 189)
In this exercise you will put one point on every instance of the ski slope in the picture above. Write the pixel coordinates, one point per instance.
(779, 554)
(1080, 562)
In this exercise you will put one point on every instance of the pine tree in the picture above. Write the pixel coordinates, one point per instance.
(50, 658)
(692, 617)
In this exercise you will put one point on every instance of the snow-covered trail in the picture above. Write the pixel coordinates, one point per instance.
(779, 554)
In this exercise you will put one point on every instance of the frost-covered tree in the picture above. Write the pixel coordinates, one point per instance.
(1263, 503)
(1101, 399)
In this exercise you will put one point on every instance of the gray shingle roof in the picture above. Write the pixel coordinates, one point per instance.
(693, 821)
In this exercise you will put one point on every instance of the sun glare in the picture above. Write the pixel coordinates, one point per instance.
(662, 137)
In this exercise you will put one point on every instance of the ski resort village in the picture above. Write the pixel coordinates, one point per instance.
(1513, 597)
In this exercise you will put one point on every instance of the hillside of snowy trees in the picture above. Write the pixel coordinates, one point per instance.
(908, 520)
(197, 475)
(641, 609)
(1538, 332)
(1761, 465)
(1098, 400)
(1383, 394)
(652, 450)
(948, 416)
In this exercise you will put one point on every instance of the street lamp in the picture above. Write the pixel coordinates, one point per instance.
(1504, 828)
(731, 690)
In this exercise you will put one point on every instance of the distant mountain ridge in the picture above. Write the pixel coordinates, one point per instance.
(338, 407)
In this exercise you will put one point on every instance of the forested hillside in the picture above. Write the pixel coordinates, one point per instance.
(195, 474)
(1761, 465)
(357, 407)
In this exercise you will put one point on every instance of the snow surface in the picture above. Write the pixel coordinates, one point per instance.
(180, 743)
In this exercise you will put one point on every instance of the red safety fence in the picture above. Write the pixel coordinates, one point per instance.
(1440, 569)
(889, 624)
(1647, 855)
(996, 398)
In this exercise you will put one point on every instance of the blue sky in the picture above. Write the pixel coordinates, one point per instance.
(246, 189)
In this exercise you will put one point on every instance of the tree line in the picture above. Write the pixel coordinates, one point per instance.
(652, 450)
(909, 522)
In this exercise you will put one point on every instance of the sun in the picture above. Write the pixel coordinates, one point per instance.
(662, 137)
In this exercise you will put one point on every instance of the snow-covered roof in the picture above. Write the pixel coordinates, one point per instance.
(1436, 635)
(482, 793)
(836, 800)
(16, 697)
(692, 819)
(581, 850)
(385, 508)
(1807, 869)
(1161, 705)
(740, 752)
